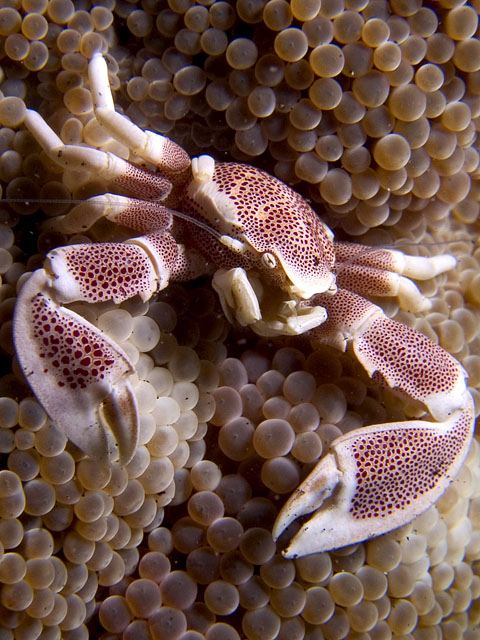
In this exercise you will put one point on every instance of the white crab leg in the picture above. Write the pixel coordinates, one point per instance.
(416, 267)
(139, 182)
(152, 147)
(78, 374)
(140, 215)
(384, 272)
(378, 478)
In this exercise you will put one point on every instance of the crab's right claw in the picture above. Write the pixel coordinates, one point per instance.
(77, 373)
(376, 479)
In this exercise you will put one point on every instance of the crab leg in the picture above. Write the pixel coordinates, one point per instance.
(384, 272)
(169, 157)
(138, 182)
(378, 478)
(140, 215)
(417, 267)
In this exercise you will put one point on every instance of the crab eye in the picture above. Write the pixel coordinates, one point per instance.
(268, 260)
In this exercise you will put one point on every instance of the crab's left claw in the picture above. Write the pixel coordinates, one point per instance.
(378, 478)
(77, 373)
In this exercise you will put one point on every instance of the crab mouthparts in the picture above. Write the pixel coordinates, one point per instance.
(305, 290)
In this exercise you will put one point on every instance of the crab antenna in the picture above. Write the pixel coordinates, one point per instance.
(199, 223)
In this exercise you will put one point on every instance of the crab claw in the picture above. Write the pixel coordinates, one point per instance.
(376, 479)
(77, 373)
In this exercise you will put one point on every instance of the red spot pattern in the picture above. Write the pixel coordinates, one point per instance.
(144, 184)
(344, 309)
(71, 353)
(419, 365)
(109, 270)
(174, 158)
(274, 218)
(364, 255)
(165, 247)
(144, 217)
(400, 354)
(364, 280)
(396, 467)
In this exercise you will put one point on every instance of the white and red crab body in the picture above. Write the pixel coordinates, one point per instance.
(278, 270)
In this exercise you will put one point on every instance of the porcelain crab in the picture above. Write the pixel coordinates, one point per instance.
(277, 269)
